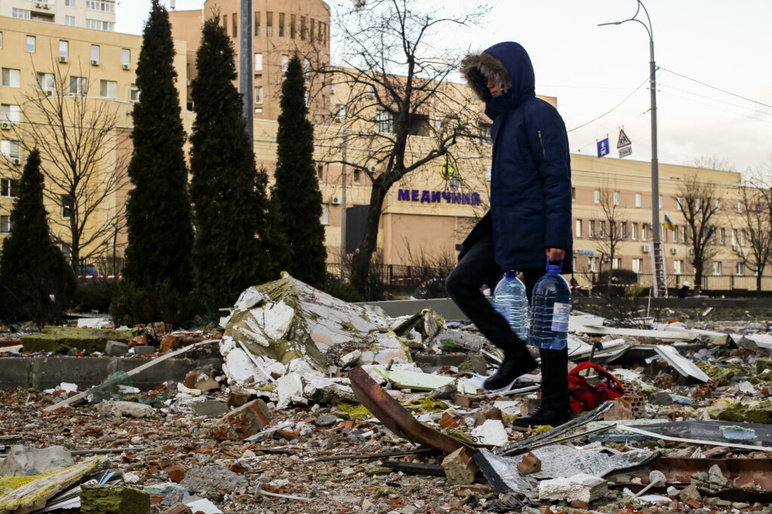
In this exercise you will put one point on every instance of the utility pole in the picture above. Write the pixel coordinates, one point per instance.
(245, 66)
(660, 284)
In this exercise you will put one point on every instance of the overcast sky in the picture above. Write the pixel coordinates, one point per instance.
(714, 84)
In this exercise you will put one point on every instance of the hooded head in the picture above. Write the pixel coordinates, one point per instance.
(505, 63)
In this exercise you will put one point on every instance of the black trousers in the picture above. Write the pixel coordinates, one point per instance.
(478, 268)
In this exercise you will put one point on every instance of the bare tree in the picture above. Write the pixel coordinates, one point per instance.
(756, 221)
(611, 232)
(83, 158)
(399, 111)
(699, 203)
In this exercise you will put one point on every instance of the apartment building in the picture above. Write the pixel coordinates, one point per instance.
(90, 14)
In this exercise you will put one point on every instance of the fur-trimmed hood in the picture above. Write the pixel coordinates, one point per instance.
(508, 64)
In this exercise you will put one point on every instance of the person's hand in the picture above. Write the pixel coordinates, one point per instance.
(555, 254)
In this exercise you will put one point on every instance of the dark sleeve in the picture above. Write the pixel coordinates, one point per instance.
(547, 134)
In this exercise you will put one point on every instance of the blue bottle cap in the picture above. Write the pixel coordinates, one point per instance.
(511, 273)
(554, 268)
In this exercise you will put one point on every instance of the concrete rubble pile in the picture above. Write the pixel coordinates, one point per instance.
(322, 406)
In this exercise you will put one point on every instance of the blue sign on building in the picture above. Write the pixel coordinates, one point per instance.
(603, 147)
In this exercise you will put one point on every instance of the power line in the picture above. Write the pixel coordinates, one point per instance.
(612, 109)
(717, 88)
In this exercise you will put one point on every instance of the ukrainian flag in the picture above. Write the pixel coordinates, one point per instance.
(668, 223)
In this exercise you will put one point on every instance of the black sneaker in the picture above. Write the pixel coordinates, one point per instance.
(515, 364)
(544, 417)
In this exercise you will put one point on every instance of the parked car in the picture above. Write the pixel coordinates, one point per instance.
(88, 271)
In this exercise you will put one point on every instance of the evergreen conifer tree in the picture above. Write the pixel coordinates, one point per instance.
(229, 196)
(297, 186)
(36, 282)
(158, 212)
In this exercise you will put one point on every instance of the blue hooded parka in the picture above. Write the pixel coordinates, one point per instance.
(531, 172)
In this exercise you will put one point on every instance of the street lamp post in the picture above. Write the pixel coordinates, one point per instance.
(660, 287)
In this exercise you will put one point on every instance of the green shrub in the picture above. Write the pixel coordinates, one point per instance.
(94, 295)
(133, 305)
(342, 290)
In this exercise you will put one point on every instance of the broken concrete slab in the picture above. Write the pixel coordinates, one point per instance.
(581, 488)
(113, 499)
(286, 320)
(681, 364)
(242, 422)
(421, 381)
(34, 494)
(118, 408)
(64, 339)
(212, 479)
(25, 461)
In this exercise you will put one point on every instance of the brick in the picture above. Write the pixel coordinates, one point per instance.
(176, 472)
(465, 401)
(242, 422)
(579, 505)
(694, 504)
(448, 421)
(459, 467)
(486, 413)
(237, 397)
(621, 409)
(190, 379)
(169, 343)
(529, 464)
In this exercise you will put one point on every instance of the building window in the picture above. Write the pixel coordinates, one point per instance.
(134, 93)
(596, 196)
(69, 20)
(95, 55)
(578, 228)
(742, 238)
(592, 264)
(108, 89)
(292, 26)
(22, 14)
(69, 3)
(384, 122)
(10, 113)
(616, 197)
(9, 149)
(637, 265)
(9, 188)
(78, 86)
(659, 201)
(325, 220)
(31, 44)
(1, 40)
(718, 206)
(306, 65)
(591, 228)
(258, 63)
(269, 24)
(10, 77)
(45, 82)
(107, 26)
(302, 27)
(225, 22)
(722, 237)
(357, 177)
(258, 95)
(602, 229)
(66, 207)
(235, 25)
(741, 268)
(739, 207)
(634, 231)
(638, 199)
(126, 58)
(623, 231)
(284, 63)
(678, 267)
(5, 224)
(573, 190)
(281, 24)
(340, 113)
(101, 5)
(716, 267)
(64, 51)
(644, 232)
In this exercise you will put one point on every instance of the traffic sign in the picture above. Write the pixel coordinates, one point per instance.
(602, 147)
(623, 139)
(625, 151)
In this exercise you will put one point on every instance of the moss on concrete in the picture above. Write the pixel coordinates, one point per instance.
(720, 375)
(63, 339)
(754, 412)
(113, 499)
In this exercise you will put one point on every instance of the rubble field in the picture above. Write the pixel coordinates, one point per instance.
(326, 407)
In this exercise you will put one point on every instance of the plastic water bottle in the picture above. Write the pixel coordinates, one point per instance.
(510, 300)
(551, 304)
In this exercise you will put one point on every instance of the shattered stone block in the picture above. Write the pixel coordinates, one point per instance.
(491, 432)
(581, 487)
(176, 472)
(117, 409)
(238, 397)
(116, 348)
(209, 408)
(242, 422)
(459, 467)
(211, 479)
(169, 343)
(23, 461)
(529, 464)
(486, 413)
(113, 499)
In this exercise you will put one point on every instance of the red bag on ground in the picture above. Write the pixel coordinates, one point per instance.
(585, 396)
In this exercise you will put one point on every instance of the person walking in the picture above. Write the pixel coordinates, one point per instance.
(529, 217)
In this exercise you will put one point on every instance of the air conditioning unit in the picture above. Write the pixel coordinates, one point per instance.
(740, 253)
(6, 125)
(371, 169)
(126, 67)
(17, 161)
(645, 248)
(674, 251)
(63, 58)
(335, 200)
(735, 248)
(15, 200)
(49, 92)
(691, 251)
(94, 62)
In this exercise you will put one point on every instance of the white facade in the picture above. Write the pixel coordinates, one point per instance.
(90, 14)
